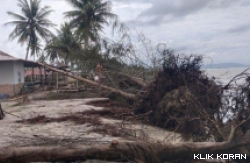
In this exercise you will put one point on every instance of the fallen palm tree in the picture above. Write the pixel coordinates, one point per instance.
(87, 81)
(141, 152)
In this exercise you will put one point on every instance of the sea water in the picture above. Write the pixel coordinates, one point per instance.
(225, 75)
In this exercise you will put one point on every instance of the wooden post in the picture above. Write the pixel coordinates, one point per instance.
(77, 84)
(1, 112)
(57, 81)
(40, 72)
(41, 78)
(32, 77)
(51, 78)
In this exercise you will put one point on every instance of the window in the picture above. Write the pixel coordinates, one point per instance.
(19, 76)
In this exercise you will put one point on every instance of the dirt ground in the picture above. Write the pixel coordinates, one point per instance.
(14, 132)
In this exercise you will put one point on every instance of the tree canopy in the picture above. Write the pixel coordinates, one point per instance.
(63, 45)
(31, 26)
(89, 17)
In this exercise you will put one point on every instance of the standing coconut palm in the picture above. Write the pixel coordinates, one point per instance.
(51, 51)
(89, 18)
(64, 45)
(31, 25)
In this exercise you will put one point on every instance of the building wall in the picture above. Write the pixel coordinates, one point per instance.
(11, 77)
(11, 89)
(18, 73)
(6, 73)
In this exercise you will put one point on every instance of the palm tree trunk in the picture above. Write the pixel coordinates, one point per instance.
(27, 51)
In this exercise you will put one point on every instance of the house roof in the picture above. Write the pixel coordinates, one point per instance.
(6, 57)
(36, 71)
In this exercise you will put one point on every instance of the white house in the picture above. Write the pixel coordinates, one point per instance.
(12, 73)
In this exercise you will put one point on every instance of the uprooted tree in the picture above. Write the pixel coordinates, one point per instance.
(181, 98)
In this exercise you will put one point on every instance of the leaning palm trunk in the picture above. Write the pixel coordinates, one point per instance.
(122, 93)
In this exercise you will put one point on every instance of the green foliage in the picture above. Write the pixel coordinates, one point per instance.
(89, 18)
(79, 42)
(64, 45)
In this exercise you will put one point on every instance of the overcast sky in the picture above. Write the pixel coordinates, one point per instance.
(217, 29)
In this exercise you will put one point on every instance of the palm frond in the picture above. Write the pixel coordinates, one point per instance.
(76, 3)
(44, 12)
(23, 4)
(44, 33)
(16, 16)
(17, 22)
(73, 14)
(35, 47)
(34, 7)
